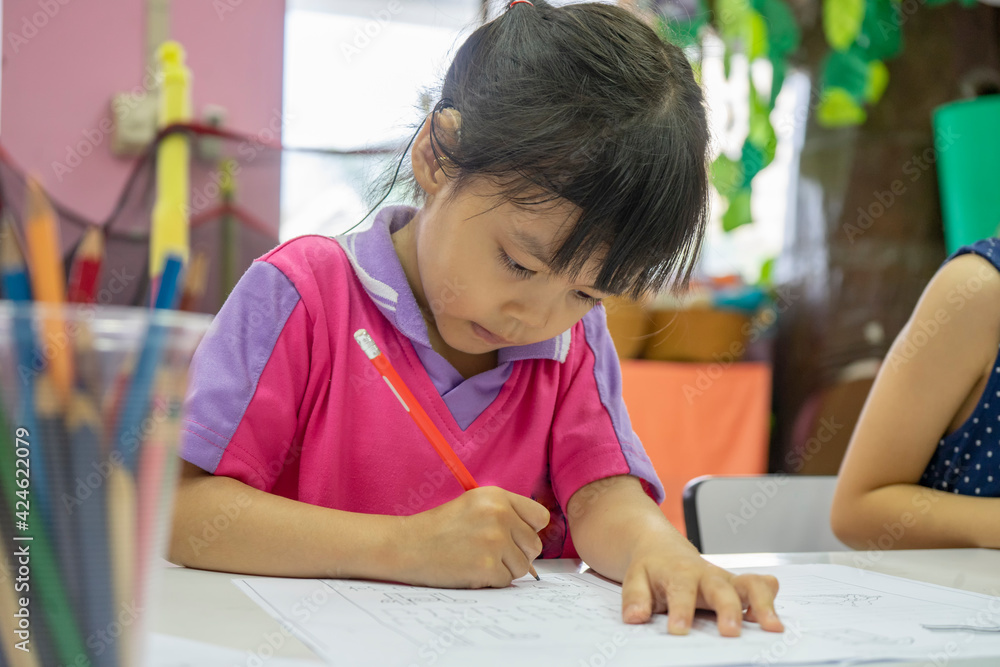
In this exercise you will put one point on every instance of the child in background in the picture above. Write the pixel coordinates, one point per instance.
(564, 162)
(923, 467)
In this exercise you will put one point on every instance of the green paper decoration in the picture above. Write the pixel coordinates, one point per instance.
(761, 136)
(878, 80)
(846, 70)
(863, 35)
(842, 20)
(738, 212)
(783, 32)
(784, 37)
(837, 108)
(756, 35)
(881, 35)
(731, 20)
(777, 81)
(727, 176)
(766, 278)
(753, 159)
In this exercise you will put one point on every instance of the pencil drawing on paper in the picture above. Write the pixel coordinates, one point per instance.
(835, 600)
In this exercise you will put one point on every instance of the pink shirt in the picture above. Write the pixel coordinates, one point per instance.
(282, 398)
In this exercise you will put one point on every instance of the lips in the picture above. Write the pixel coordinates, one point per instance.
(489, 336)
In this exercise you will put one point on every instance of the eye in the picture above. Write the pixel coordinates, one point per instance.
(583, 296)
(514, 267)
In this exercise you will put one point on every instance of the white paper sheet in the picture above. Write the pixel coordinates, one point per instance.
(831, 613)
(169, 651)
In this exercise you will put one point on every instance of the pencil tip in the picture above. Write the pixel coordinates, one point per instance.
(537, 578)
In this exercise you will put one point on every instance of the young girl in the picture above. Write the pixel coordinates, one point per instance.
(565, 161)
(923, 466)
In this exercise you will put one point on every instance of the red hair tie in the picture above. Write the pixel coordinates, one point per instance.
(516, 2)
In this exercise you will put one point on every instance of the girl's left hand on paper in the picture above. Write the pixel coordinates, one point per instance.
(678, 582)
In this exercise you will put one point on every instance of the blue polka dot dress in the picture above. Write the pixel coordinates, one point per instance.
(968, 460)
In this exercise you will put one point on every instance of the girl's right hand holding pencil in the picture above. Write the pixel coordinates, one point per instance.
(487, 537)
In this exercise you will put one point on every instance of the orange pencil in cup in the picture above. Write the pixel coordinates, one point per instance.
(48, 280)
(419, 416)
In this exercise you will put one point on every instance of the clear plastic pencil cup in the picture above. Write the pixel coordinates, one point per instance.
(90, 410)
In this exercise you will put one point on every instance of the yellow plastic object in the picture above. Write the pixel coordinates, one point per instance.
(169, 234)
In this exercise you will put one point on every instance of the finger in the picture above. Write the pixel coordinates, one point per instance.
(757, 594)
(491, 572)
(515, 563)
(532, 513)
(527, 540)
(681, 592)
(721, 596)
(637, 596)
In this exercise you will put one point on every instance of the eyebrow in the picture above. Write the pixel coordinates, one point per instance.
(539, 251)
(533, 247)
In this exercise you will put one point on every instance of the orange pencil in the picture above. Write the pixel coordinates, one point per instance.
(417, 413)
(48, 280)
(86, 268)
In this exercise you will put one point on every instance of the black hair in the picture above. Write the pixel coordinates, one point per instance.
(586, 103)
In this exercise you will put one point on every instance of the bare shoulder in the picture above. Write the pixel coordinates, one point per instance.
(969, 278)
(966, 289)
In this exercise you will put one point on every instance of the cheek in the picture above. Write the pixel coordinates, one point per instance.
(569, 316)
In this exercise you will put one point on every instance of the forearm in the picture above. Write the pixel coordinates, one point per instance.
(222, 524)
(908, 516)
(613, 519)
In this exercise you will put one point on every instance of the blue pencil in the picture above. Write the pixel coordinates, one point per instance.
(61, 634)
(17, 287)
(84, 425)
(136, 403)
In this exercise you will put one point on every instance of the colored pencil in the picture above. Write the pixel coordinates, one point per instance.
(122, 493)
(48, 281)
(136, 400)
(158, 469)
(54, 628)
(152, 461)
(8, 599)
(88, 367)
(86, 268)
(418, 414)
(18, 288)
(53, 439)
(9, 606)
(16, 285)
(121, 532)
(94, 558)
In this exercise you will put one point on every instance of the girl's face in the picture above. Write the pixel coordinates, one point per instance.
(482, 271)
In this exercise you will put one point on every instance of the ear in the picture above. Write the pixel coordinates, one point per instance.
(426, 168)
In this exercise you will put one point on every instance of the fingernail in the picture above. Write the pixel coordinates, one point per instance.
(633, 613)
(679, 627)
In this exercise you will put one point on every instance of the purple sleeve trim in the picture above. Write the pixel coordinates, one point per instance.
(607, 375)
(230, 359)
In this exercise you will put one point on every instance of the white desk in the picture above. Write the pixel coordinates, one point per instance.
(207, 607)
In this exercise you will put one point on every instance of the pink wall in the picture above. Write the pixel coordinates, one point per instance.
(61, 69)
